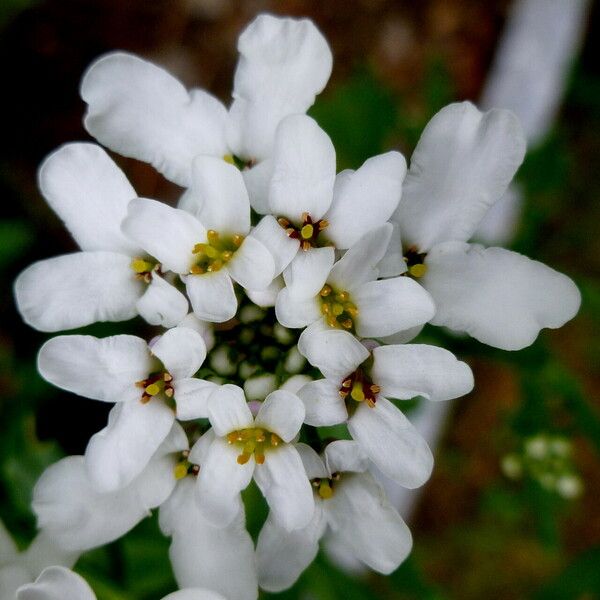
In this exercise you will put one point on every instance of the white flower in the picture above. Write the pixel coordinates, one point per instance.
(58, 583)
(355, 390)
(210, 248)
(463, 163)
(141, 111)
(309, 208)
(141, 380)
(347, 295)
(244, 447)
(112, 279)
(350, 504)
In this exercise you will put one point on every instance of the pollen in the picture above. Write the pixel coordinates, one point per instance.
(307, 232)
(337, 308)
(418, 270)
(211, 256)
(253, 441)
(143, 268)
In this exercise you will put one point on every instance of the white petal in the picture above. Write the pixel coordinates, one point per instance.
(391, 305)
(365, 199)
(295, 383)
(342, 456)
(368, 525)
(283, 64)
(169, 234)
(162, 303)
(307, 273)
(212, 296)
(359, 264)
(393, 264)
(283, 555)
(77, 289)
(222, 199)
(402, 337)
(194, 593)
(228, 410)
(334, 352)
(323, 403)
(181, 350)
(192, 398)
(201, 448)
(252, 266)
(282, 413)
(296, 312)
(420, 370)
(257, 180)
(57, 583)
(312, 462)
(273, 236)
(303, 170)
(12, 577)
(8, 548)
(117, 454)
(267, 297)
(45, 552)
(140, 111)
(463, 163)
(220, 481)
(204, 328)
(392, 443)
(219, 558)
(499, 297)
(90, 194)
(75, 515)
(99, 368)
(284, 484)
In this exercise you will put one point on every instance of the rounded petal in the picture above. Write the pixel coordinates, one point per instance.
(370, 528)
(228, 410)
(323, 403)
(181, 350)
(365, 199)
(283, 64)
(140, 111)
(282, 413)
(99, 368)
(303, 170)
(306, 274)
(296, 312)
(222, 199)
(12, 577)
(334, 352)
(87, 190)
(393, 263)
(220, 481)
(499, 297)
(75, 515)
(169, 234)
(313, 463)
(193, 593)
(77, 289)
(420, 370)
(57, 583)
(45, 552)
(359, 264)
(267, 297)
(273, 236)
(283, 555)
(117, 454)
(390, 440)
(253, 265)
(392, 305)
(162, 303)
(462, 164)
(257, 180)
(344, 456)
(284, 484)
(219, 558)
(212, 296)
(192, 398)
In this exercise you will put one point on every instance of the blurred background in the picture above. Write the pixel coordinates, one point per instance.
(512, 508)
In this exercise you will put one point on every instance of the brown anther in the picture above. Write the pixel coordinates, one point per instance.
(370, 402)
(167, 376)
(274, 440)
(290, 231)
(283, 222)
(305, 245)
(315, 483)
(347, 324)
(306, 218)
(147, 277)
(323, 224)
(196, 270)
(343, 394)
(195, 469)
(347, 383)
(169, 391)
(146, 398)
(375, 388)
(237, 239)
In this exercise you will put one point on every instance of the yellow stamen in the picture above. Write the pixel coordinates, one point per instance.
(139, 265)
(180, 470)
(228, 158)
(325, 490)
(418, 270)
(212, 235)
(357, 392)
(243, 458)
(153, 389)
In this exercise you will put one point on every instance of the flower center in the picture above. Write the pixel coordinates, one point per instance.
(415, 262)
(184, 467)
(359, 387)
(155, 384)
(307, 234)
(143, 268)
(210, 256)
(253, 440)
(337, 308)
(325, 486)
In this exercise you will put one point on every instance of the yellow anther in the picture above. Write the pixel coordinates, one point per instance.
(325, 291)
(197, 270)
(342, 296)
(180, 470)
(357, 392)
(323, 224)
(215, 266)
(153, 389)
(226, 255)
(307, 231)
(325, 490)
(232, 437)
(243, 458)
(237, 239)
(275, 440)
(283, 222)
(418, 270)
(139, 265)
(199, 248)
(347, 383)
(332, 321)
(212, 235)
(325, 309)
(337, 309)
(211, 252)
(260, 458)
(228, 158)
(347, 324)
(352, 311)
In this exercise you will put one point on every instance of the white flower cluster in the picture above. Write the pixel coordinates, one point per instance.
(360, 260)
